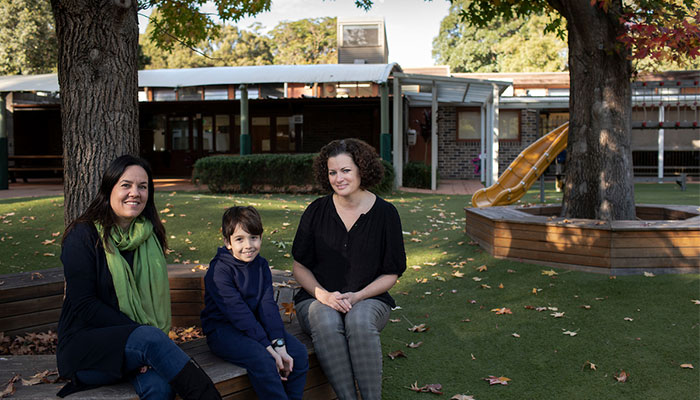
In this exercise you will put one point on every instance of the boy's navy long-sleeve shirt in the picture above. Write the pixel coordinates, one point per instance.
(240, 294)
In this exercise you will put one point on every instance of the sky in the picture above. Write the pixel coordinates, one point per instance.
(411, 25)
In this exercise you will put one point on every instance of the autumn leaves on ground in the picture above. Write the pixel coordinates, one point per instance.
(468, 325)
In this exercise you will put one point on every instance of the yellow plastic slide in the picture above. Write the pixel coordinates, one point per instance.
(524, 170)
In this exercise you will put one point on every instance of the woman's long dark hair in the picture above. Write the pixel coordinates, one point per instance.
(101, 211)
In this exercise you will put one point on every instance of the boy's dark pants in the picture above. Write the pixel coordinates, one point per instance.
(237, 348)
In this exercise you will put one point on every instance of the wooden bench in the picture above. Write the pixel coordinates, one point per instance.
(187, 297)
(23, 164)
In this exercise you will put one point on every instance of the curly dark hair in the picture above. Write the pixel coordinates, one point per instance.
(362, 154)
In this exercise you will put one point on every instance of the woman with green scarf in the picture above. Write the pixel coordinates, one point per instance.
(116, 313)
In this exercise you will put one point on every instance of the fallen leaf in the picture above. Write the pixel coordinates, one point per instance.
(500, 286)
(48, 242)
(395, 320)
(586, 307)
(511, 271)
(551, 272)
(10, 387)
(421, 280)
(462, 397)
(696, 302)
(622, 376)
(515, 335)
(396, 354)
(476, 279)
(535, 290)
(689, 366)
(628, 319)
(501, 311)
(472, 354)
(49, 255)
(482, 268)
(414, 345)
(501, 380)
(430, 388)
(589, 365)
(570, 333)
(415, 267)
(416, 240)
(418, 328)
(56, 234)
(648, 275)
(458, 274)
(557, 314)
(37, 275)
(289, 310)
(485, 286)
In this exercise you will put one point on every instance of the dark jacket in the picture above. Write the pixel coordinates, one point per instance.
(92, 332)
(240, 294)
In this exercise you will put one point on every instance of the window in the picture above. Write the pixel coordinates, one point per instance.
(207, 134)
(216, 93)
(180, 131)
(164, 94)
(159, 125)
(360, 35)
(190, 93)
(469, 124)
(223, 137)
(509, 125)
(284, 134)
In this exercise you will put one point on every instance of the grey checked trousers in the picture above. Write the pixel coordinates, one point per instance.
(348, 345)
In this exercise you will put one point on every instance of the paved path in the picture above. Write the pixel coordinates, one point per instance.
(54, 187)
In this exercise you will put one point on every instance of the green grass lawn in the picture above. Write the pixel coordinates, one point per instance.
(646, 326)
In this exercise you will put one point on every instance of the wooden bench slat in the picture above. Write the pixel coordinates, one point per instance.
(31, 305)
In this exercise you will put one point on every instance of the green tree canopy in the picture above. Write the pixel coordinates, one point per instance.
(27, 37)
(307, 41)
(517, 45)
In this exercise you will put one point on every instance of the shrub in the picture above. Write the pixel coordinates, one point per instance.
(386, 186)
(416, 175)
(254, 173)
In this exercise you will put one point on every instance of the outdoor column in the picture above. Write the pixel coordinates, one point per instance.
(4, 174)
(494, 145)
(398, 134)
(385, 138)
(245, 126)
(482, 147)
(433, 138)
(662, 113)
(488, 135)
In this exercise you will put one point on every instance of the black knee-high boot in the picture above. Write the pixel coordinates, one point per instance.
(192, 383)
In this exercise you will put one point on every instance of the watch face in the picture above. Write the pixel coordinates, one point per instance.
(278, 343)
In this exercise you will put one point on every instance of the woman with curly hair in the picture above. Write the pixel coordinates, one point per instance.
(348, 252)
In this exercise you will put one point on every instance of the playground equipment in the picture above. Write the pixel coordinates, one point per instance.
(524, 170)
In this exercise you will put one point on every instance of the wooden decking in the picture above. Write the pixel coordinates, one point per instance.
(32, 303)
(664, 239)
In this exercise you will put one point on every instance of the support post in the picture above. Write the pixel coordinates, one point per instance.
(245, 125)
(434, 138)
(494, 145)
(398, 134)
(385, 138)
(661, 145)
(4, 174)
(542, 188)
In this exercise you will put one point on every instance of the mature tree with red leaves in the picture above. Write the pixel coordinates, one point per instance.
(603, 36)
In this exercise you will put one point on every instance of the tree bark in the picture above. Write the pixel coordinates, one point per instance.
(98, 77)
(599, 175)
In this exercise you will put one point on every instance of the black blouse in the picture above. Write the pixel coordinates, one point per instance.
(347, 261)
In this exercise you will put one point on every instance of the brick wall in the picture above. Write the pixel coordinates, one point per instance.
(455, 157)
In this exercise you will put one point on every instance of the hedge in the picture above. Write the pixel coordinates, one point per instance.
(416, 175)
(260, 173)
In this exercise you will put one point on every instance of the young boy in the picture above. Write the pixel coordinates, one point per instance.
(241, 318)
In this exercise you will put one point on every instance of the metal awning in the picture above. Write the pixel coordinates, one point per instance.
(172, 78)
(451, 90)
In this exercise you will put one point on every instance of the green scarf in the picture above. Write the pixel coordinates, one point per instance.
(143, 293)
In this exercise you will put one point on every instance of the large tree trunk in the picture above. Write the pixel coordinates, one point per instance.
(98, 76)
(599, 176)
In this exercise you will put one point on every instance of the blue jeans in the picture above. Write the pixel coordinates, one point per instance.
(235, 347)
(146, 346)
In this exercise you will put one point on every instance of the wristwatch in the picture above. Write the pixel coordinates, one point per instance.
(278, 343)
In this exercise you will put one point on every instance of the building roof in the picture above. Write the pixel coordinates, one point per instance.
(319, 73)
(453, 90)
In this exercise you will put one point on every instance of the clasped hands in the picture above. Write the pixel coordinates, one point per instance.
(285, 362)
(341, 302)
